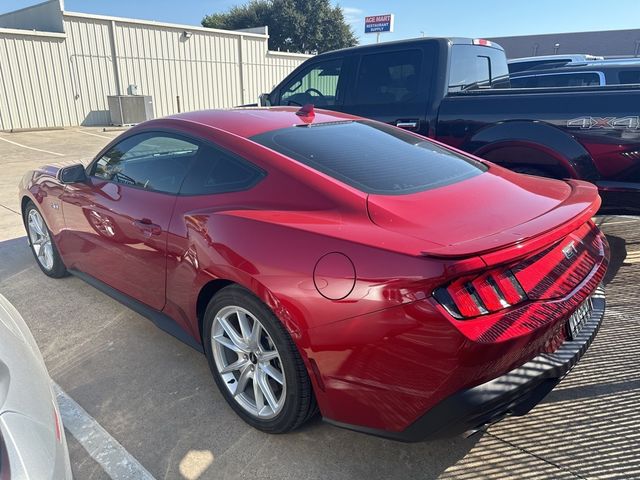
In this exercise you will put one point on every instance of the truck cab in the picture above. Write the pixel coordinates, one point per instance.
(400, 83)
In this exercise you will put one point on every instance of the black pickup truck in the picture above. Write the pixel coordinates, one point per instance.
(458, 91)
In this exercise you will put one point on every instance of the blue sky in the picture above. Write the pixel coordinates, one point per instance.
(465, 18)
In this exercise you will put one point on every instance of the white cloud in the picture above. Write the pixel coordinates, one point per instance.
(353, 15)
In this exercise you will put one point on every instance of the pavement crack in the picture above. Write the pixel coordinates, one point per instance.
(542, 459)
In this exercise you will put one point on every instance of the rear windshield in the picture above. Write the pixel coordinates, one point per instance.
(372, 157)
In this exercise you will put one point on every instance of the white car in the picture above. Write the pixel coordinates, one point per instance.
(32, 441)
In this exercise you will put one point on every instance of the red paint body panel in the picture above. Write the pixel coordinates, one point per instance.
(386, 351)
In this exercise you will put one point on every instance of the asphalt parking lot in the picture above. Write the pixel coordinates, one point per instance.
(156, 398)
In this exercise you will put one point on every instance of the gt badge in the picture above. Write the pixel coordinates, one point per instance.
(570, 250)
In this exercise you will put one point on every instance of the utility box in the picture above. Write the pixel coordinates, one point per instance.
(130, 109)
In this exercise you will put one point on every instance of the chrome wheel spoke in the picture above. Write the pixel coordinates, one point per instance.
(237, 365)
(222, 340)
(232, 333)
(242, 381)
(245, 329)
(257, 395)
(256, 333)
(273, 373)
(48, 255)
(35, 224)
(261, 379)
(269, 355)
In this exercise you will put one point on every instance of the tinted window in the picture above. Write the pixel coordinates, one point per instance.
(391, 77)
(477, 67)
(587, 79)
(629, 76)
(317, 85)
(216, 171)
(154, 161)
(374, 158)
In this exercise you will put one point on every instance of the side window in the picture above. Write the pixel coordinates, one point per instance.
(385, 78)
(477, 67)
(154, 161)
(216, 171)
(317, 85)
(629, 77)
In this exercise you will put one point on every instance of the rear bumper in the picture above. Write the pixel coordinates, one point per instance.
(514, 393)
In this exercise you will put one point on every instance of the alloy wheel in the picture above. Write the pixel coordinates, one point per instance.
(248, 362)
(40, 239)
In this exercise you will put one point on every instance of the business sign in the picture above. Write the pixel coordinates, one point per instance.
(378, 23)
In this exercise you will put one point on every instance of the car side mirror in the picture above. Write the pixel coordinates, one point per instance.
(73, 174)
(264, 100)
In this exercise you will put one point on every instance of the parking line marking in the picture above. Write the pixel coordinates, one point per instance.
(32, 148)
(102, 447)
(94, 134)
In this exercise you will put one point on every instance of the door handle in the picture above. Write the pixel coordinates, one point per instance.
(147, 226)
(413, 124)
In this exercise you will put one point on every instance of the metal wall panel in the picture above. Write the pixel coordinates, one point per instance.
(52, 79)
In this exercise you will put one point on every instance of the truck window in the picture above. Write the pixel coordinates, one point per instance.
(582, 79)
(388, 78)
(628, 77)
(477, 67)
(318, 85)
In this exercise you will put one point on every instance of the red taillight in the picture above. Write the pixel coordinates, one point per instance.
(490, 292)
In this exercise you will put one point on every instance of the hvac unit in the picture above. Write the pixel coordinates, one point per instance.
(130, 109)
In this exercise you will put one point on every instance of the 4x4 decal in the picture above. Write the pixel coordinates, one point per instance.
(585, 123)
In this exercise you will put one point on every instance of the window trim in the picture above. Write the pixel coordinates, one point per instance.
(186, 137)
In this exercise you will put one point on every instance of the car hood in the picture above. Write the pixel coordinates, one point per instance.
(496, 209)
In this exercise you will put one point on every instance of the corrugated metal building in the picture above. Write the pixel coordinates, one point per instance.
(62, 77)
(609, 43)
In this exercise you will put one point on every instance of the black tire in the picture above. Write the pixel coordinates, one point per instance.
(58, 269)
(299, 400)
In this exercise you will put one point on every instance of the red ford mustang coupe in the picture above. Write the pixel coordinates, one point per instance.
(326, 262)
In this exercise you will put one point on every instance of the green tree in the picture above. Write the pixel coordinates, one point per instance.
(294, 25)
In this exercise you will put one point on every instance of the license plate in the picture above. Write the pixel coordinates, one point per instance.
(579, 318)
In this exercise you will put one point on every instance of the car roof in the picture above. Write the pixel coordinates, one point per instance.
(578, 68)
(247, 122)
(573, 57)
